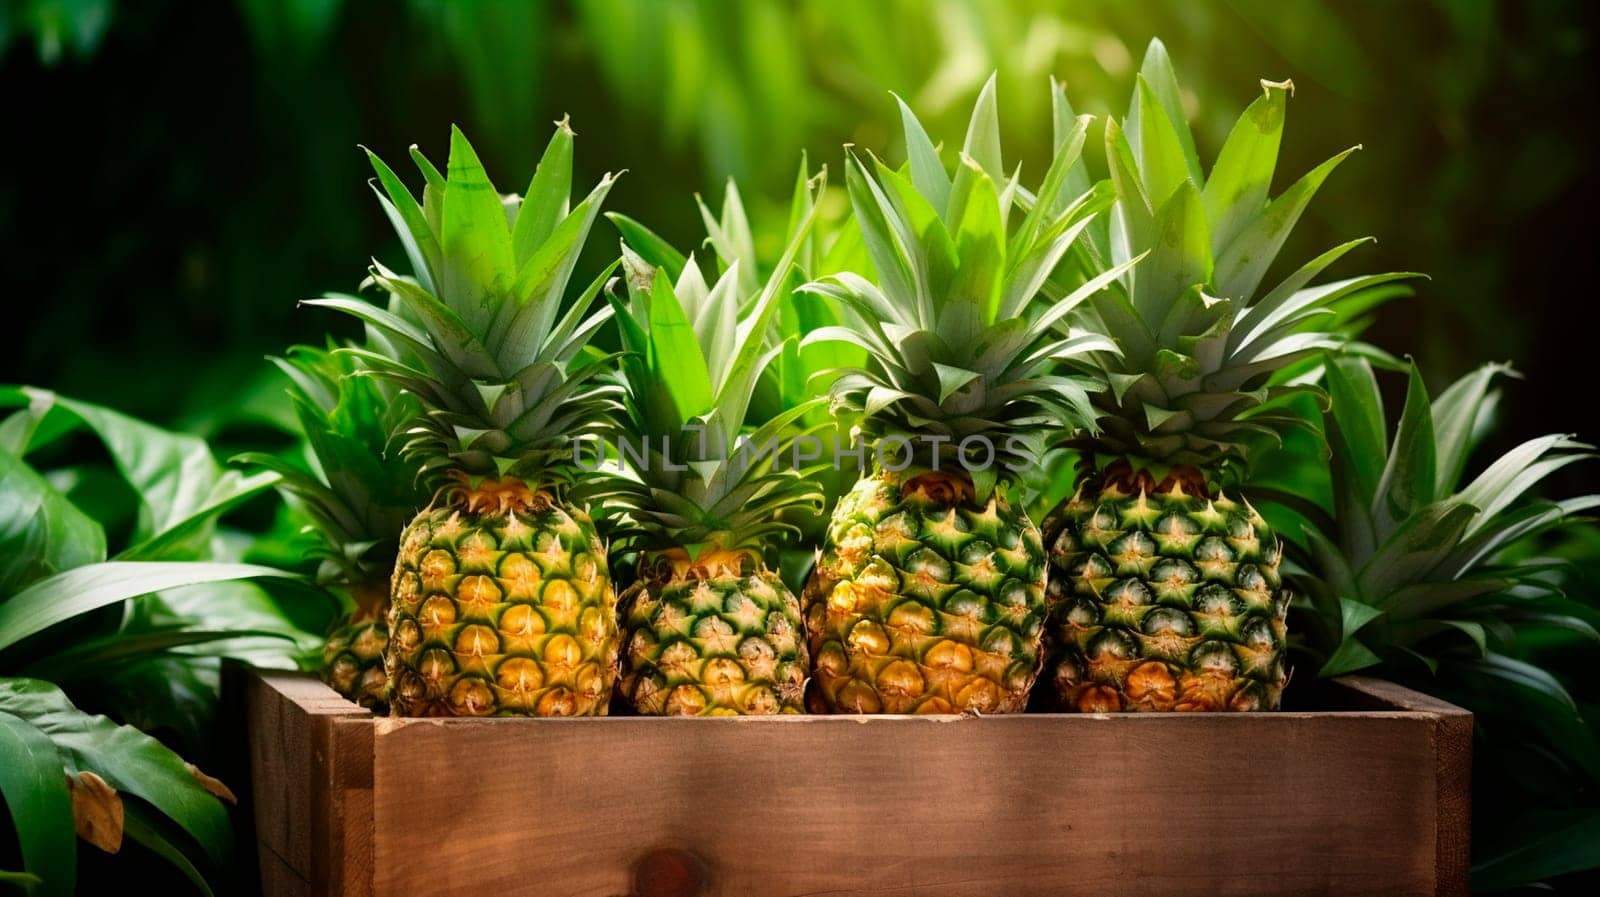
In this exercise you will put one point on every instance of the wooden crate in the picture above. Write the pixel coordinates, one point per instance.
(1367, 796)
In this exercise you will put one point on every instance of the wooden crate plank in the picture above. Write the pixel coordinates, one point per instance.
(288, 714)
(1304, 803)
(279, 760)
(1366, 693)
(1452, 746)
(341, 806)
(1453, 749)
(277, 879)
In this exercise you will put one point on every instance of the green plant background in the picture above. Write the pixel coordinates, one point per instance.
(179, 174)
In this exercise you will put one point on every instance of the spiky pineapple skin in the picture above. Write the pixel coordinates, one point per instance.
(719, 642)
(502, 612)
(352, 662)
(1164, 601)
(924, 601)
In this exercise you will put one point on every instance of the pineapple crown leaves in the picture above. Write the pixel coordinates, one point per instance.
(826, 245)
(693, 354)
(1413, 560)
(732, 239)
(497, 360)
(956, 346)
(354, 487)
(1203, 348)
(833, 244)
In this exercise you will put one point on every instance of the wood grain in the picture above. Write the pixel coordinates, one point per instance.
(311, 774)
(341, 805)
(277, 879)
(1370, 801)
(1006, 806)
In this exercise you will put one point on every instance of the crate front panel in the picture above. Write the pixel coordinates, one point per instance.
(1171, 805)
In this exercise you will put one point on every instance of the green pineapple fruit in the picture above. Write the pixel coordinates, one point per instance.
(710, 627)
(929, 595)
(1168, 591)
(358, 494)
(501, 600)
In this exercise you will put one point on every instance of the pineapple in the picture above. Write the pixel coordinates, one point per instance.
(1167, 590)
(929, 593)
(710, 627)
(501, 601)
(358, 495)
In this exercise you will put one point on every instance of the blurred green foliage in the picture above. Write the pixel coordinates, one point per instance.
(192, 166)
(181, 173)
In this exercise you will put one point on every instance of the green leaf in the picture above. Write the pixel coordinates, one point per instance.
(716, 324)
(41, 531)
(128, 759)
(179, 483)
(1559, 842)
(1051, 201)
(890, 249)
(934, 256)
(1242, 175)
(72, 592)
(1456, 415)
(1360, 440)
(449, 332)
(801, 202)
(1532, 697)
(176, 541)
(1157, 75)
(1517, 471)
(750, 354)
(1179, 258)
(421, 243)
(1162, 164)
(649, 245)
(675, 354)
(1410, 476)
(927, 172)
(479, 261)
(881, 397)
(1355, 614)
(730, 236)
(549, 193)
(1289, 286)
(1242, 265)
(1422, 541)
(982, 144)
(1095, 286)
(570, 336)
(1349, 657)
(1350, 654)
(149, 831)
(952, 379)
(522, 326)
(34, 786)
(432, 194)
(1133, 225)
(1323, 308)
(973, 297)
(1064, 123)
(100, 656)
(388, 323)
(1472, 630)
(431, 176)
